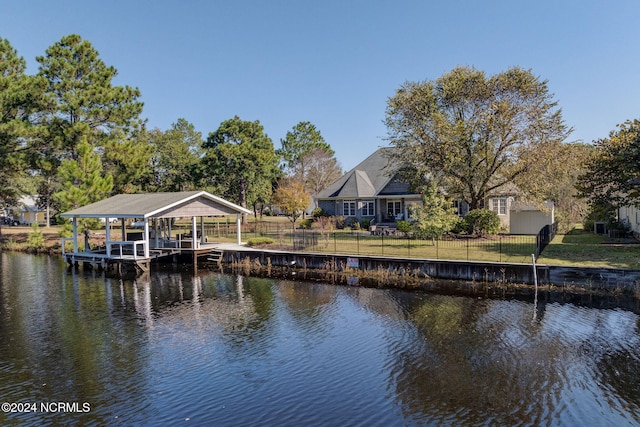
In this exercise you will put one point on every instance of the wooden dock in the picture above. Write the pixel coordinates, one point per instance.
(126, 262)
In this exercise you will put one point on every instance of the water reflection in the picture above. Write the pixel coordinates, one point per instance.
(232, 350)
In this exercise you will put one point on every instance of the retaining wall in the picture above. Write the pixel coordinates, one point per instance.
(591, 277)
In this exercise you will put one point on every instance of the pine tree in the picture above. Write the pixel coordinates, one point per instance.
(83, 182)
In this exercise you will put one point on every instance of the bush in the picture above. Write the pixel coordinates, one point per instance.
(403, 226)
(318, 212)
(459, 227)
(340, 222)
(482, 221)
(305, 223)
(35, 240)
(259, 241)
(365, 224)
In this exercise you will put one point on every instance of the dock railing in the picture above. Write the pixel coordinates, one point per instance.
(121, 244)
(64, 240)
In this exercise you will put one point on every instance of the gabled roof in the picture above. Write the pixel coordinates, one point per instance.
(367, 179)
(157, 205)
(28, 203)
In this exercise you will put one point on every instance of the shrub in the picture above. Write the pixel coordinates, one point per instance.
(318, 212)
(482, 221)
(258, 241)
(340, 222)
(305, 223)
(459, 227)
(365, 224)
(35, 240)
(403, 226)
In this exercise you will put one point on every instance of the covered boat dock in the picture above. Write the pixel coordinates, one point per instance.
(155, 213)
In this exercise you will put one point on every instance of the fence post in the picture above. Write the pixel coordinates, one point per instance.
(335, 250)
(358, 242)
(467, 249)
(382, 243)
(500, 249)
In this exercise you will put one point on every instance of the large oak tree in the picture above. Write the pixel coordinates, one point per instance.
(473, 133)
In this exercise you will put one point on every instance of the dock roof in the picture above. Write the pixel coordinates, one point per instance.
(158, 205)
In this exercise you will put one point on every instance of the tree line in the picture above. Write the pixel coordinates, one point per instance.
(71, 136)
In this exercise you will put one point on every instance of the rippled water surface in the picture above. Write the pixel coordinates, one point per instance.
(176, 348)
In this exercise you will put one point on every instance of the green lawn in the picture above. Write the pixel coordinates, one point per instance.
(574, 248)
(586, 249)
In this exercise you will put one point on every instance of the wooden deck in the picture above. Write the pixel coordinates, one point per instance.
(120, 260)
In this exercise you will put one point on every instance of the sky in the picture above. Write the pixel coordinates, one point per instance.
(336, 63)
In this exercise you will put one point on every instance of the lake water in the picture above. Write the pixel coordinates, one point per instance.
(222, 350)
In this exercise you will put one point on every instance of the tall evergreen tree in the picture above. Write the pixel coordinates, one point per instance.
(86, 102)
(128, 160)
(86, 105)
(308, 158)
(177, 157)
(82, 180)
(21, 98)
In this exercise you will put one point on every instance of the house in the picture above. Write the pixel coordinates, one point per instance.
(370, 191)
(374, 191)
(516, 215)
(527, 219)
(630, 215)
(29, 211)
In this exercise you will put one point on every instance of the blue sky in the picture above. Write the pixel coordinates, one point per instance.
(335, 63)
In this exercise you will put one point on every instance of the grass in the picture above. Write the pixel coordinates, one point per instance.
(576, 248)
(494, 249)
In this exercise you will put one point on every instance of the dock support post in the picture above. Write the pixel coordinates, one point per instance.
(239, 227)
(194, 233)
(75, 235)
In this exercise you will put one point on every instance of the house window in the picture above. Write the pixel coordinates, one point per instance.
(368, 208)
(499, 205)
(456, 207)
(349, 208)
(394, 209)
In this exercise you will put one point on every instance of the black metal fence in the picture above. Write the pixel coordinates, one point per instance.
(500, 248)
(496, 248)
(545, 236)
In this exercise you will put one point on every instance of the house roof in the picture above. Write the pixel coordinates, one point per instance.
(157, 205)
(28, 203)
(367, 179)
